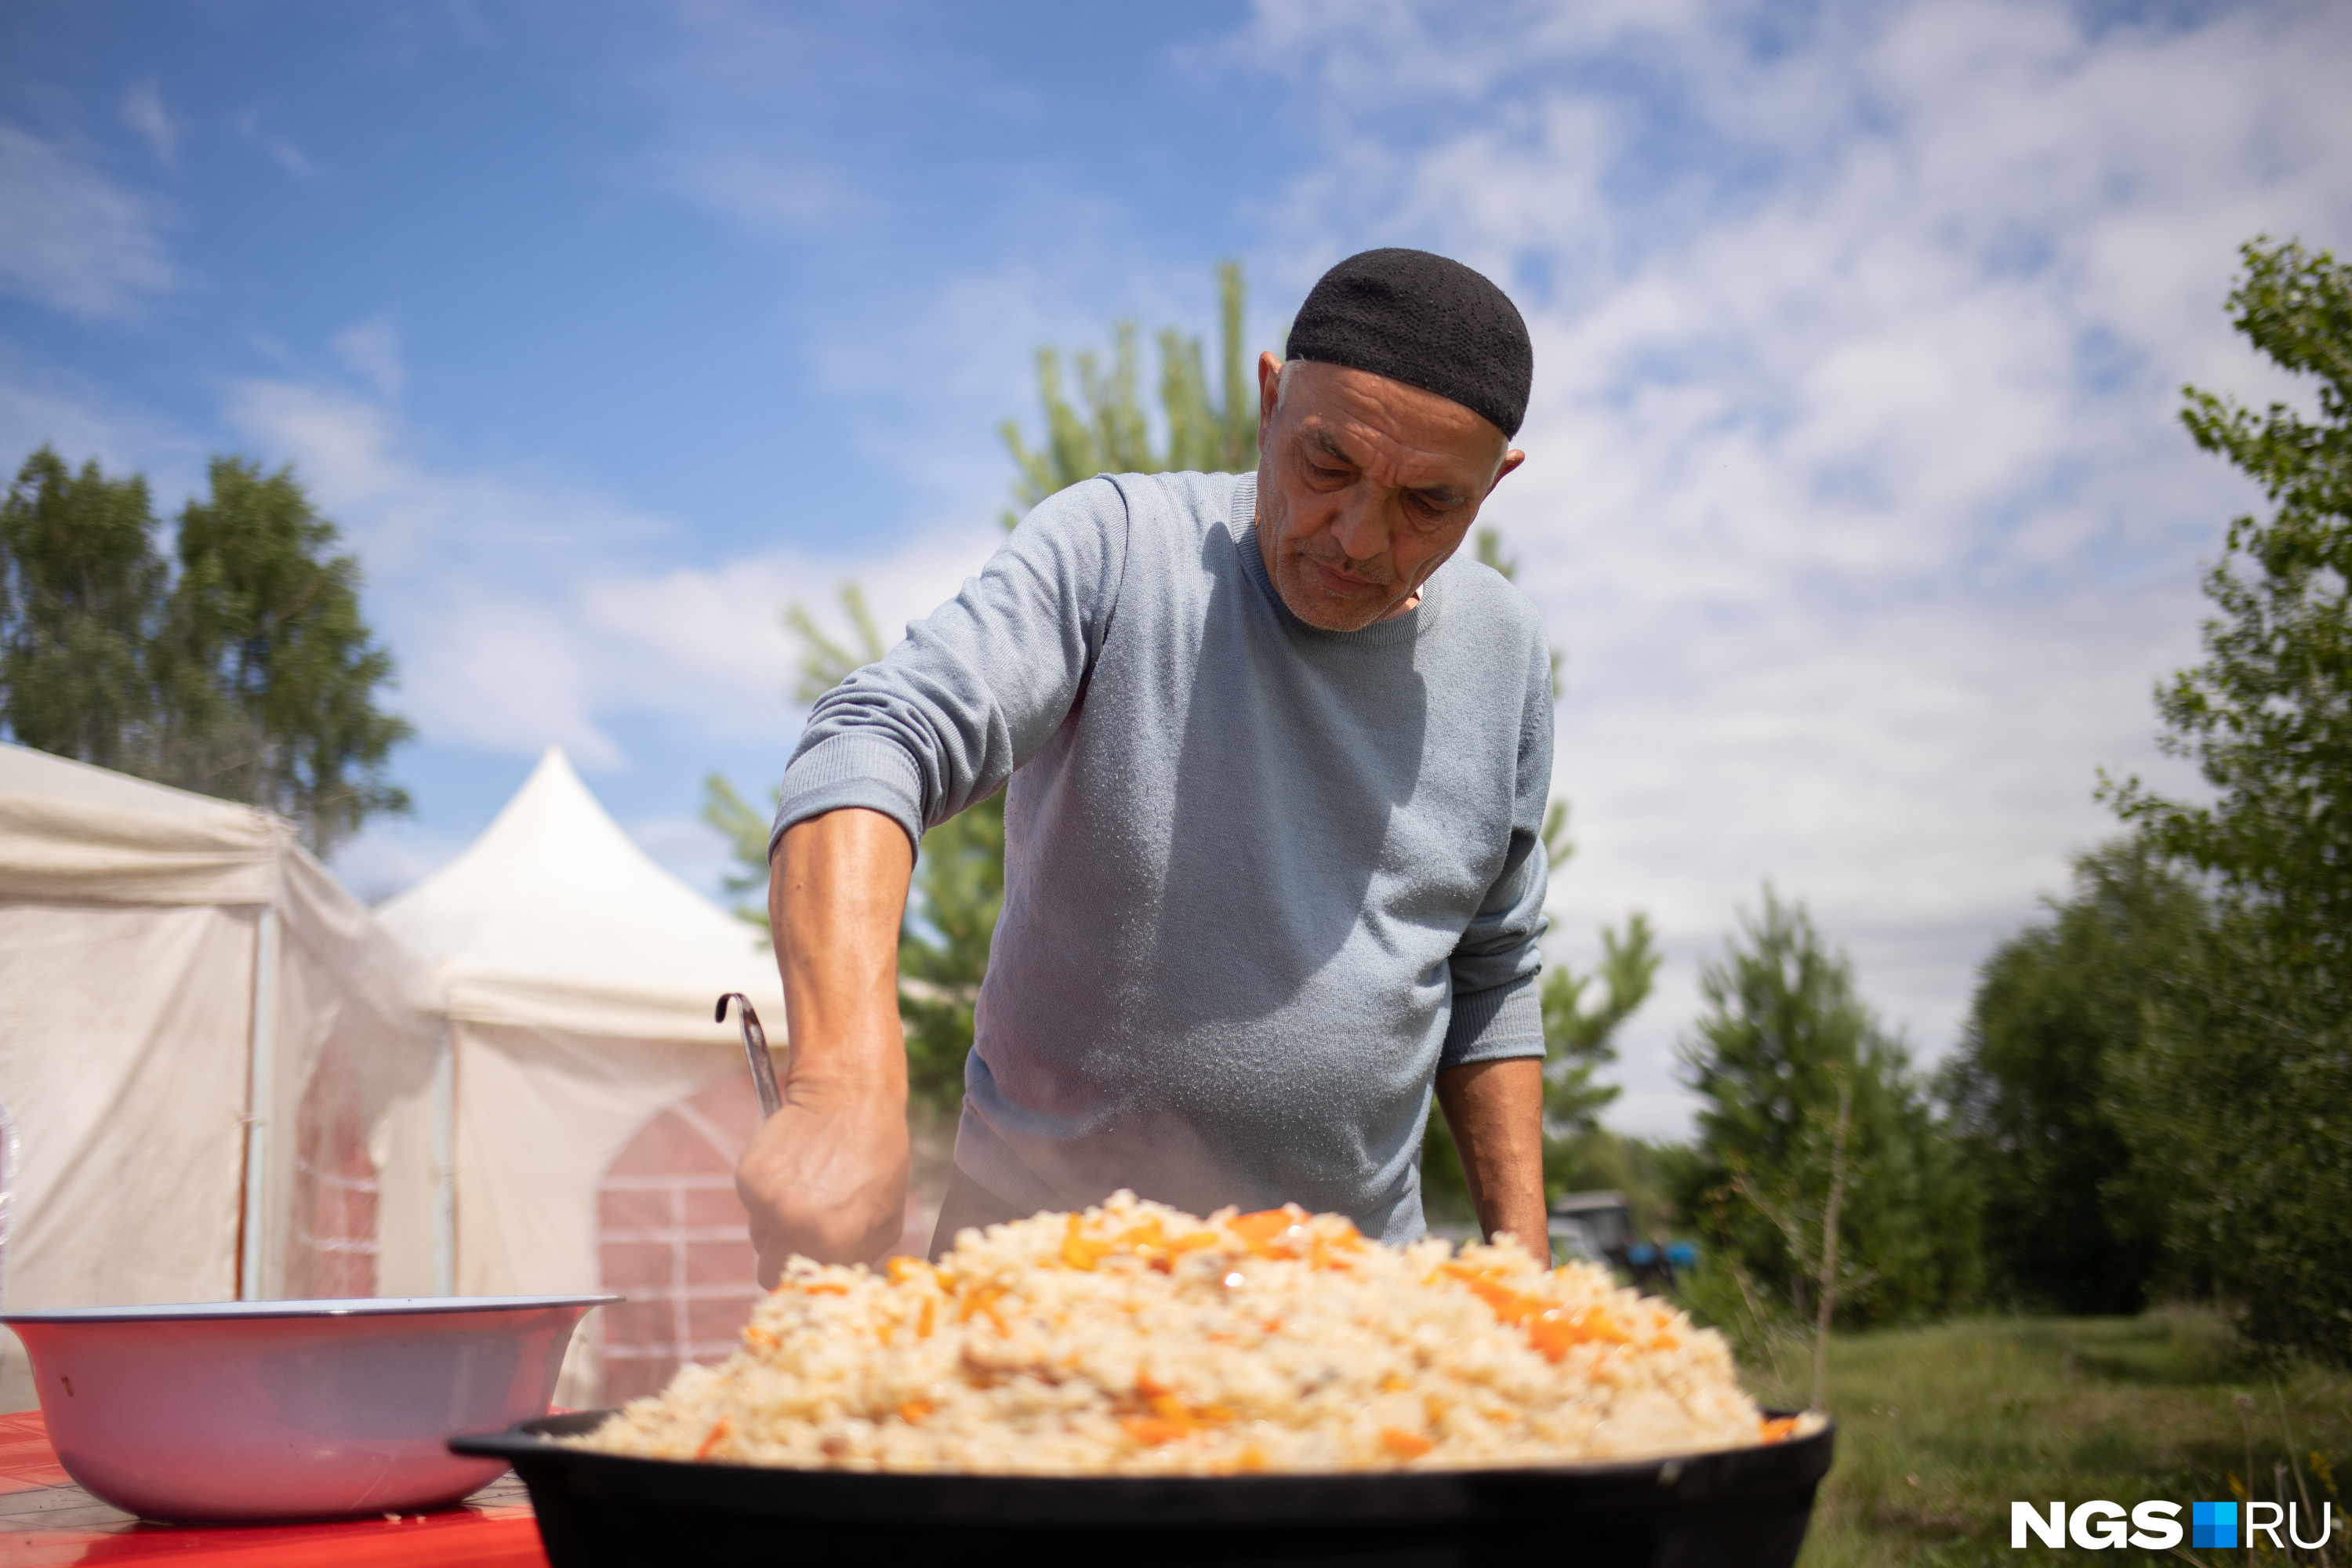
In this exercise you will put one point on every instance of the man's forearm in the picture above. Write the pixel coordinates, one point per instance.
(837, 896)
(827, 1176)
(1495, 1110)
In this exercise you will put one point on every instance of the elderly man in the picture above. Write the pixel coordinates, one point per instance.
(1278, 758)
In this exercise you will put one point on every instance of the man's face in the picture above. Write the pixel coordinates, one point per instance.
(1365, 486)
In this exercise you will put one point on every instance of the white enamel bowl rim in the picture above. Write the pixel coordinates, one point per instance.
(350, 1307)
(249, 1411)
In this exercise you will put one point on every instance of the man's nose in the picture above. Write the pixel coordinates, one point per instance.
(1358, 528)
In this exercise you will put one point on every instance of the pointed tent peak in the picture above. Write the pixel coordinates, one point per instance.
(551, 822)
(555, 896)
(555, 812)
(554, 771)
(554, 787)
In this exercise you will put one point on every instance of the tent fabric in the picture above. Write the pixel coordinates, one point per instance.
(87, 852)
(555, 920)
(579, 979)
(179, 983)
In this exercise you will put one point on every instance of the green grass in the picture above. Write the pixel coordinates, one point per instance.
(1940, 1428)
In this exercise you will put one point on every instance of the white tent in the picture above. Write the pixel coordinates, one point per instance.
(222, 1073)
(579, 979)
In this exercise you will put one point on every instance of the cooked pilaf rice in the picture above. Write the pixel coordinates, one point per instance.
(1135, 1339)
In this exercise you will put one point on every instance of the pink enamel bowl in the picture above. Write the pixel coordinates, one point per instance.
(266, 1410)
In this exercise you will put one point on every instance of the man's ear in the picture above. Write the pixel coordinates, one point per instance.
(1511, 459)
(1269, 391)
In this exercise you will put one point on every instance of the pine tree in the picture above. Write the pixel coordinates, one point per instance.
(1113, 435)
(1806, 1098)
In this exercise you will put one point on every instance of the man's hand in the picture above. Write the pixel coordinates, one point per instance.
(827, 1177)
(1495, 1110)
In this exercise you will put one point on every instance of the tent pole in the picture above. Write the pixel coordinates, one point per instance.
(261, 1075)
(445, 1162)
(9, 1176)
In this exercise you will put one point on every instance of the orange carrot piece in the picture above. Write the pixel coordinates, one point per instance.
(1153, 1430)
(1078, 1252)
(1263, 1222)
(1555, 1330)
(1404, 1445)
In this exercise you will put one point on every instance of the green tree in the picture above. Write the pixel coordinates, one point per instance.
(249, 674)
(2250, 1089)
(1583, 1039)
(2267, 716)
(2052, 1054)
(745, 828)
(81, 600)
(1112, 435)
(1819, 1160)
(274, 672)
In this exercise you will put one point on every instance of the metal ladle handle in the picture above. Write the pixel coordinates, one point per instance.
(755, 1048)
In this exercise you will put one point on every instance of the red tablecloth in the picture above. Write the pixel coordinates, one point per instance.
(45, 1518)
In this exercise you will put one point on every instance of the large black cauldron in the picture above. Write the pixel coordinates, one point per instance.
(1744, 1508)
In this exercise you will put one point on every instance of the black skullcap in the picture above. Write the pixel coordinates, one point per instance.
(1424, 321)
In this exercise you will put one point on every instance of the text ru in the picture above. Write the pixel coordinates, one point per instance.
(2155, 1526)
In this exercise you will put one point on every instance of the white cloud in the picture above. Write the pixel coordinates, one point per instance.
(708, 645)
(72, 239)
(1856, 500)
(468, 574)
(144, 112)
(526, 613)
(278, 148)
(371, 351)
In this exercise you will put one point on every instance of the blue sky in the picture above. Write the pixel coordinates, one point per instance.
(1856, 498)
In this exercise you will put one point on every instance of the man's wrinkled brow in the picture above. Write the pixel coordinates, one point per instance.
(1440, 496)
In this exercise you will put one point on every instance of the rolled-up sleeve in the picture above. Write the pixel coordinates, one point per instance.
(978, 686)
(1498, 964)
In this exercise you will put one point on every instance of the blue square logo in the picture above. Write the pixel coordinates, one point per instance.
(2212, 1525)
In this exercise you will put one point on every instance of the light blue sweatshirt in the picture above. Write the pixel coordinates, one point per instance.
(1261, 881)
